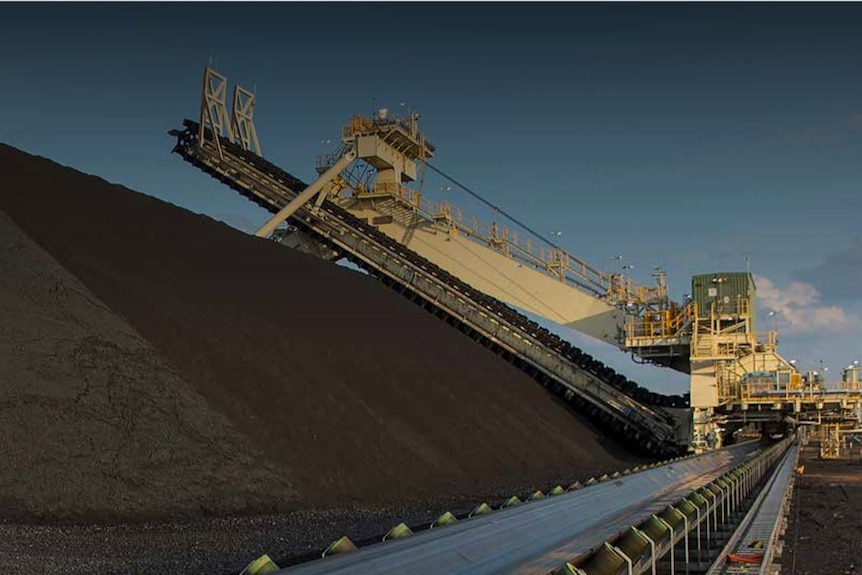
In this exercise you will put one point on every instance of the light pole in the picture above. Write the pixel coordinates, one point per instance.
(619, 259)
(446, 210)
(627, 267)
(626, 282)
(615, 277)
(823, 371)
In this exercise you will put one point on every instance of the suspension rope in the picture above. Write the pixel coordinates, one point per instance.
(492, 206)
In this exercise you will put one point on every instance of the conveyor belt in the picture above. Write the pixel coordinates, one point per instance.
(271, 188)
(539, 536)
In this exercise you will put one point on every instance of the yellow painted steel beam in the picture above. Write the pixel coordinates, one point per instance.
(294, 205)
(502, 277)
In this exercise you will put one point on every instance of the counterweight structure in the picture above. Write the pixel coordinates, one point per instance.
(470, 273)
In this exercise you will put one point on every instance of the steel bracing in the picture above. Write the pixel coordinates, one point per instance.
(589, 386)
(360, 199)
(547, 358)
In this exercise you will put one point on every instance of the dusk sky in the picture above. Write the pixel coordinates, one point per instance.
(689, 136)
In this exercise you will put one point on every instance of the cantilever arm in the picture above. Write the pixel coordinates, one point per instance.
(307, 194)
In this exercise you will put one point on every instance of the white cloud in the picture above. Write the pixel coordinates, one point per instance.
(797, 307)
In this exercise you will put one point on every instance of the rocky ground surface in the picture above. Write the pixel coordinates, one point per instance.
(177, 396)
(824, 534)
(221, 545)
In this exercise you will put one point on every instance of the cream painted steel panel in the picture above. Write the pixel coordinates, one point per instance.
(306, 195)
(381, 155)
(704, 387)
(766, 361)
(505, 278)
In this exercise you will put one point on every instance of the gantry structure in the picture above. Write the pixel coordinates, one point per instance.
(365, 207)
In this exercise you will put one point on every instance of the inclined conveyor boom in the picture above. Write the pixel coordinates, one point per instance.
(559, 366)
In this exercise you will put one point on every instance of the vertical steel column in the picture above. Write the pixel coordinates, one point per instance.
(214, 109)
(617, 551)
(651, 544)
(734, 495)
(715, 506)
(750, 478)
(242, 120)
(685, 527)
(668, 525)
(699, 554)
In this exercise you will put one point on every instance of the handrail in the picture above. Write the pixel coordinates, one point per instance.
(661, 324)
(761, 522)
(724, 495)
(528, 537)
(553, 261)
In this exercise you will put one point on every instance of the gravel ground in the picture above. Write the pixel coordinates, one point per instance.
(824, 532)
(213, 546)
(217, 546)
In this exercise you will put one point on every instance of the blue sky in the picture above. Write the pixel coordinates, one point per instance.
(683, 135)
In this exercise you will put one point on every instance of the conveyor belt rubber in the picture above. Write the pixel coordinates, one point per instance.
(539, 536)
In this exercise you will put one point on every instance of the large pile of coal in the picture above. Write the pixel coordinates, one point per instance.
(339, 388)
(93, 422)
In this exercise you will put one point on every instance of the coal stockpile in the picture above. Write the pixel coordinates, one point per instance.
(92, 422)
(350, 388)
(259, 379)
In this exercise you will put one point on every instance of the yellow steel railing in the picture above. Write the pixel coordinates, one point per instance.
(768, 339)
(550, 260)
(661, 324)
(407, 128)
(756, 392)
